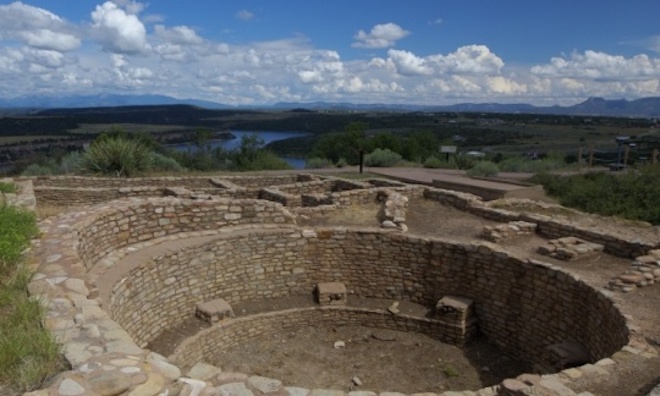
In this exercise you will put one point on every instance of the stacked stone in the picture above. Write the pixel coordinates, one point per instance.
(508, 230)
(394, 211)
(570, 248)
(645, 271)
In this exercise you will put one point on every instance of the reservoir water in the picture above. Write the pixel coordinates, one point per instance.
(266, 136)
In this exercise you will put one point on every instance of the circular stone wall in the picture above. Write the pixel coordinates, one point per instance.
(521, 306)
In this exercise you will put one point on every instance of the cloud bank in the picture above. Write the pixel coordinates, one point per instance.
(118, 50)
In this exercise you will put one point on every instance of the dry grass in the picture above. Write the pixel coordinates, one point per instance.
(45, 211)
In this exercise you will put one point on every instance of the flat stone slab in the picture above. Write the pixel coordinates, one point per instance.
(214, 310)
(456, 308)
(331, 293)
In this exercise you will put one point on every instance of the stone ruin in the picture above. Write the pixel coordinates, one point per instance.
(644, 271)
(570, 248)
(104, 343)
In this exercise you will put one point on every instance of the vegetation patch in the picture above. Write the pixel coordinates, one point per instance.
(28, 352)
(633, 195)
(7, 188)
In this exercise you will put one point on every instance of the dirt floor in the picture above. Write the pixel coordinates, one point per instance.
(412, 362)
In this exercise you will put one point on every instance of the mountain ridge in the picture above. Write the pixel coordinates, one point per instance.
(594, 106)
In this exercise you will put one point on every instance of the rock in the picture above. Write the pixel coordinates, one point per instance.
(69, 387)
(264, 385)
(153, 386)
(203, 371)
(235, 389)
(339, 344)
(357, 381)
(394, 307)
(169, 370)
(109, 384)
(630, 278)
(388, 224)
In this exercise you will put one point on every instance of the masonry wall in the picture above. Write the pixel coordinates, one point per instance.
(521, 306)
(208, 344)
(547, 226)
(133, 221)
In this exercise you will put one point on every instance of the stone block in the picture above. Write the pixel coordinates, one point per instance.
(331, 293)
(455, 308)
(214, 310)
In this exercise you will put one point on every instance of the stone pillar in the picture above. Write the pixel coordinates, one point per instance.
(459, 312)
(214, 310)
(331, 293)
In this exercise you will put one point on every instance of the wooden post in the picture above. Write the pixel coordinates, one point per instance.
(579, 158)
(625, 155)
(654, 159)
(591, 156)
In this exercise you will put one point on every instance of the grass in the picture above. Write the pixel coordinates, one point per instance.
(450, 371)
(7, 188)
(28, 352)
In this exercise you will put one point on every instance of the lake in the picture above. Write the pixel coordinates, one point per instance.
(267, 136)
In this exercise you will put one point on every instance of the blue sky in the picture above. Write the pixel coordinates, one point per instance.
(542, 52)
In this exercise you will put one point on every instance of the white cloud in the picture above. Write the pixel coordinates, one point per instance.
(599, 66)
(177, 35)
(470, 59)
(36, 28)
(244, 15)
(41, 52)
(381, 36)
(119, 31)
(408, 64)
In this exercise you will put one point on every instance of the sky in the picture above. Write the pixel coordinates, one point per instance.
(260, 52)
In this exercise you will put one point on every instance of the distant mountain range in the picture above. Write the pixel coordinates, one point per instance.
(645, 107)
(109, 100)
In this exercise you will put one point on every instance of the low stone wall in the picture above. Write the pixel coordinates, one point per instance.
(208, 344)
(522, 306)
(546, 226)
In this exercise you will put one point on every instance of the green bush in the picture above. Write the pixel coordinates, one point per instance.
(317, 163)
(38, 170)
(632, 195)
(160, 162)
(71, 163)
(341, 163)
(440, 163)
(483, 169)
(382, 158)
(116, 156)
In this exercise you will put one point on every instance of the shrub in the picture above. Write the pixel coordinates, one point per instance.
(317, 163)
(433, 162)
(341, 163)
(116, 156)
(632, 195)
(483, 169)
(382, 158)
(18, 227)
(38, 170)
(160, 162)
(439, 163)
(71, 163)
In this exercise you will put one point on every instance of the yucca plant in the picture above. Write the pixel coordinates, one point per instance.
(117, 156)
